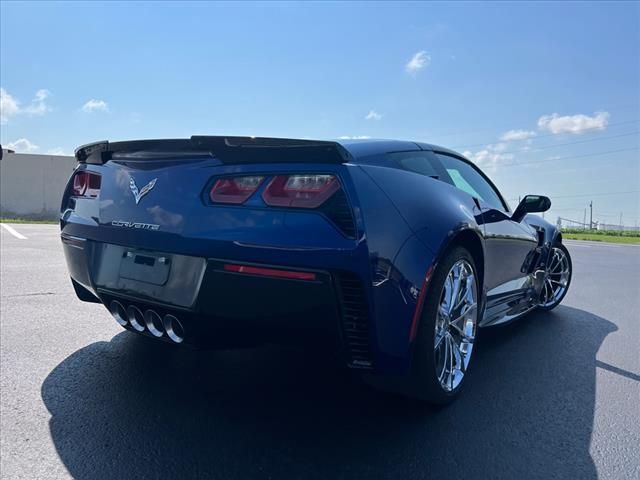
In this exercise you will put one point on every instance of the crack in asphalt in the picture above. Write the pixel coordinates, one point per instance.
(37, 294)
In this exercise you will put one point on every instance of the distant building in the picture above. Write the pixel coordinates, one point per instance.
(31, 185)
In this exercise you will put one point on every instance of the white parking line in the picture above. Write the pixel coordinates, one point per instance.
(12, 231)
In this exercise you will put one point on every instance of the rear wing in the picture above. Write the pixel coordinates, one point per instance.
(229, 150)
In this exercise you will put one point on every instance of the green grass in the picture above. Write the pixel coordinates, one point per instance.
(27, 220)
(615, 233)
(602, 237)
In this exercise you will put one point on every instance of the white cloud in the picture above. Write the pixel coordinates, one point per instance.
(94, 105)
(22, 145)
(38, 105)
(576, 124)
(10, 106)
(56, 151)
(355, 137)
(513, 135)
(489, 157)
(373, 115)
(419, 60)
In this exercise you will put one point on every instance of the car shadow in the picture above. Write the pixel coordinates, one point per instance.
(134, 408)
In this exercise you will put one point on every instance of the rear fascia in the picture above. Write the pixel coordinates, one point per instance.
(251, 233)
(386, 256)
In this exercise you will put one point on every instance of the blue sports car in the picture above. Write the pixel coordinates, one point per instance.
(393, 253)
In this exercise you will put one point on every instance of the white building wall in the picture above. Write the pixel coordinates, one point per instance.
(31, 186)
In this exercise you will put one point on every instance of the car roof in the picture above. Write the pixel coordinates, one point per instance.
(359, 148)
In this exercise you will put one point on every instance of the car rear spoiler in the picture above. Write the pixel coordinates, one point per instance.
(229, 150)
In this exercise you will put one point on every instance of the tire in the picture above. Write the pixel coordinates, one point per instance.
(427, 364)
(551, 277)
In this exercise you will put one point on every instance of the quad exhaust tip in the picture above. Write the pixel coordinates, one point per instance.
(153, 321)
(119, 313)
(150, 320)
(174, 328)
(136, 318)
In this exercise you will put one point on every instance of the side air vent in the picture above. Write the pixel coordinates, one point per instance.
(339, 212)
(355, 320)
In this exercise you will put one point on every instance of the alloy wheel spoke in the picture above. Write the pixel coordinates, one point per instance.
(444, 357)
(451, 357)
(446, 295)
(457, 284)
(439, 337)
(460, 328)
(467, 293)
(458, 356)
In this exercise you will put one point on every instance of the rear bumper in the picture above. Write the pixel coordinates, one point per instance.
(223, 307)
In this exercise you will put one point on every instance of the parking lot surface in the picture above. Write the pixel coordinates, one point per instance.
(556, 395)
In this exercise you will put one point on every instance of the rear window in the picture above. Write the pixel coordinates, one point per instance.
(418, 162)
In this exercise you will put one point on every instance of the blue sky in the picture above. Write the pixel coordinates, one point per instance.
(544, 96)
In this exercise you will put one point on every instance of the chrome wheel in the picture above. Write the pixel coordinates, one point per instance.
(455, 325)
(557, 280)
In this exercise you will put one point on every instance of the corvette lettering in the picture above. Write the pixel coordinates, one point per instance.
(141, 226)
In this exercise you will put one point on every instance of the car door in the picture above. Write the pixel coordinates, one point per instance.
(509, 245)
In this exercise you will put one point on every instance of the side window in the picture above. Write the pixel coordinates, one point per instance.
(468, 179)
(418, 162)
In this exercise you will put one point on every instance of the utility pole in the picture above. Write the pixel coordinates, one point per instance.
(584, 219)
(591, 215)
(620, 221)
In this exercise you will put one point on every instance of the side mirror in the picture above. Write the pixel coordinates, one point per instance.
(531, 204)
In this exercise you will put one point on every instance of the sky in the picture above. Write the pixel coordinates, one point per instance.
(544, 97)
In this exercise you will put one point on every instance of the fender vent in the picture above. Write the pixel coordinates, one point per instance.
(355, 320)
(339, 212)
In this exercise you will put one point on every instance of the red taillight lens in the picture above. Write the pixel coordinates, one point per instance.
(234, 189)
(301, 191)
(270, 272)
(86, 184)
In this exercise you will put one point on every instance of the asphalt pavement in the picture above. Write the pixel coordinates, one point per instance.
(555, 395)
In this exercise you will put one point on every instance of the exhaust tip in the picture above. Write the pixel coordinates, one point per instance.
(119, 313)
(136, 318)
(174, 328)
(153, 321)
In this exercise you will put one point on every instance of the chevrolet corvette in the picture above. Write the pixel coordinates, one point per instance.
(391, 253)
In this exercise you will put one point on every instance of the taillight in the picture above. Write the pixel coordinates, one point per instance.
(301, 191)
(86, 184)
(270, 272)
(234, 189)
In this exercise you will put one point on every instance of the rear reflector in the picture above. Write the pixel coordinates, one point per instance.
(302, 191)
(234, 190)
(86, 184)
(419, 305)
(269, 272)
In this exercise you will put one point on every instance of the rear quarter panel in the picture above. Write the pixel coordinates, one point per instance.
(410, 221)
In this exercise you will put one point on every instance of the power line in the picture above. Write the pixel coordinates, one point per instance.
(588, 194)
(544, 147)
(545, 135)
(595, 194)
(517, 164)
(600, 194)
